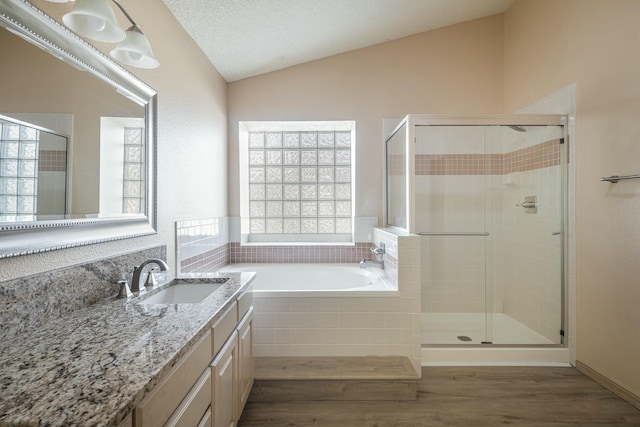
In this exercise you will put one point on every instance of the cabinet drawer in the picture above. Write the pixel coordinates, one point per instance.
(156, 409)
(223, 327)
(245, 302)
(191, 411)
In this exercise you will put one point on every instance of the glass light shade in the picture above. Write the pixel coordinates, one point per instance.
(135, 50)
(94, 19)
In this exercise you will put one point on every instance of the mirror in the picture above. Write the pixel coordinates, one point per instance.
(77, 140)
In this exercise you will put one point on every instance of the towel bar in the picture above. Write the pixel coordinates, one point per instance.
(615, 178)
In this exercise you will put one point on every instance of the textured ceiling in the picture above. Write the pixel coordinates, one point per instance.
(244, 38)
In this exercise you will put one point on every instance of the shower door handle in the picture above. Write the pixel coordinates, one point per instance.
(526, 205)
(530, 204)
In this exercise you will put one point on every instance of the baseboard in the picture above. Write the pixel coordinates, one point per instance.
(613, 387)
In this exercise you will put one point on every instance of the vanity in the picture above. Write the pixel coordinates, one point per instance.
(209, 385)
(125, 363)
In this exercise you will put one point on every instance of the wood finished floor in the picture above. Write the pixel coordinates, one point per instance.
(466, 396)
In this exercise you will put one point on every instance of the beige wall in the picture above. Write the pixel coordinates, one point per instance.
(192, 134)
(457, 69)
(550, 44)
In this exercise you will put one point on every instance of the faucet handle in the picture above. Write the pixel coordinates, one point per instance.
(377, 251)
(151, 279)
(124, 291)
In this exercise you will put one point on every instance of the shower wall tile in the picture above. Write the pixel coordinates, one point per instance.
(450, 203)
(453, 140)
(533, 274)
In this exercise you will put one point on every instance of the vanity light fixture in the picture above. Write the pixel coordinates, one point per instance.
(96, 20)
(135, 50)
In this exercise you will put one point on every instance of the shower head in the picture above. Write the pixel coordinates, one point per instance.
(517, 128)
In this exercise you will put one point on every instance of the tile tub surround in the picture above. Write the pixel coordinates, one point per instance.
(30, 302)
(92, 366)
(349, 325)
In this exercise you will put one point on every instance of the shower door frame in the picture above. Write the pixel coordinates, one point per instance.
(413, 120)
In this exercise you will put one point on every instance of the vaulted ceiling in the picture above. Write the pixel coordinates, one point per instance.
(244, 38)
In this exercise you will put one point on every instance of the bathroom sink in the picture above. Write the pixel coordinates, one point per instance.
(185, 291)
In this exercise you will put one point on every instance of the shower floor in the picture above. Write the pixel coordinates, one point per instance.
(445, 328)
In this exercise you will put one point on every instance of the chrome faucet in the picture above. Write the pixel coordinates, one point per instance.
(379, 251)
(137, 272)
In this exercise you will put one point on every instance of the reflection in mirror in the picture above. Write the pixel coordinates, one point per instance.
(47, 87)
(33, 172)
(122, 164)
(77, 140)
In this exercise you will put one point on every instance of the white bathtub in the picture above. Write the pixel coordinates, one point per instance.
(327, 280)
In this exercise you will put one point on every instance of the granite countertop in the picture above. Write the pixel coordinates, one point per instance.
(94, 365)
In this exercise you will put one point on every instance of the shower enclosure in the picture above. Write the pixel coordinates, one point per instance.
(487, 195)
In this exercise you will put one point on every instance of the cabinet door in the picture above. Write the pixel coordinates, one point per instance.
(224, 372)
(245, 359)
(206, 419)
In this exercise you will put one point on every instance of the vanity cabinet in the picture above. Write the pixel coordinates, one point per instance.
(232, 369)
(209, 386)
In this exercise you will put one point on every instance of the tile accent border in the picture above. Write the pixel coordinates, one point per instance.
(543, 155)
(235, 253)
(206, 262)
(52, 161)
(538, 156)
(299, 254)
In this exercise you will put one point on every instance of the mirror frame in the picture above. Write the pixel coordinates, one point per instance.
(27, 21)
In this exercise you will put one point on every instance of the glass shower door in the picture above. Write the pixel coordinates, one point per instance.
(451, 178)
(488, 203)
(528, 222)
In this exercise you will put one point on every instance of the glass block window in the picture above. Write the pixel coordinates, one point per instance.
(299, 183)
(18, 172)
(133, 194)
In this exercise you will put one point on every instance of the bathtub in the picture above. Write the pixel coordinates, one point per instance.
(326, 280)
